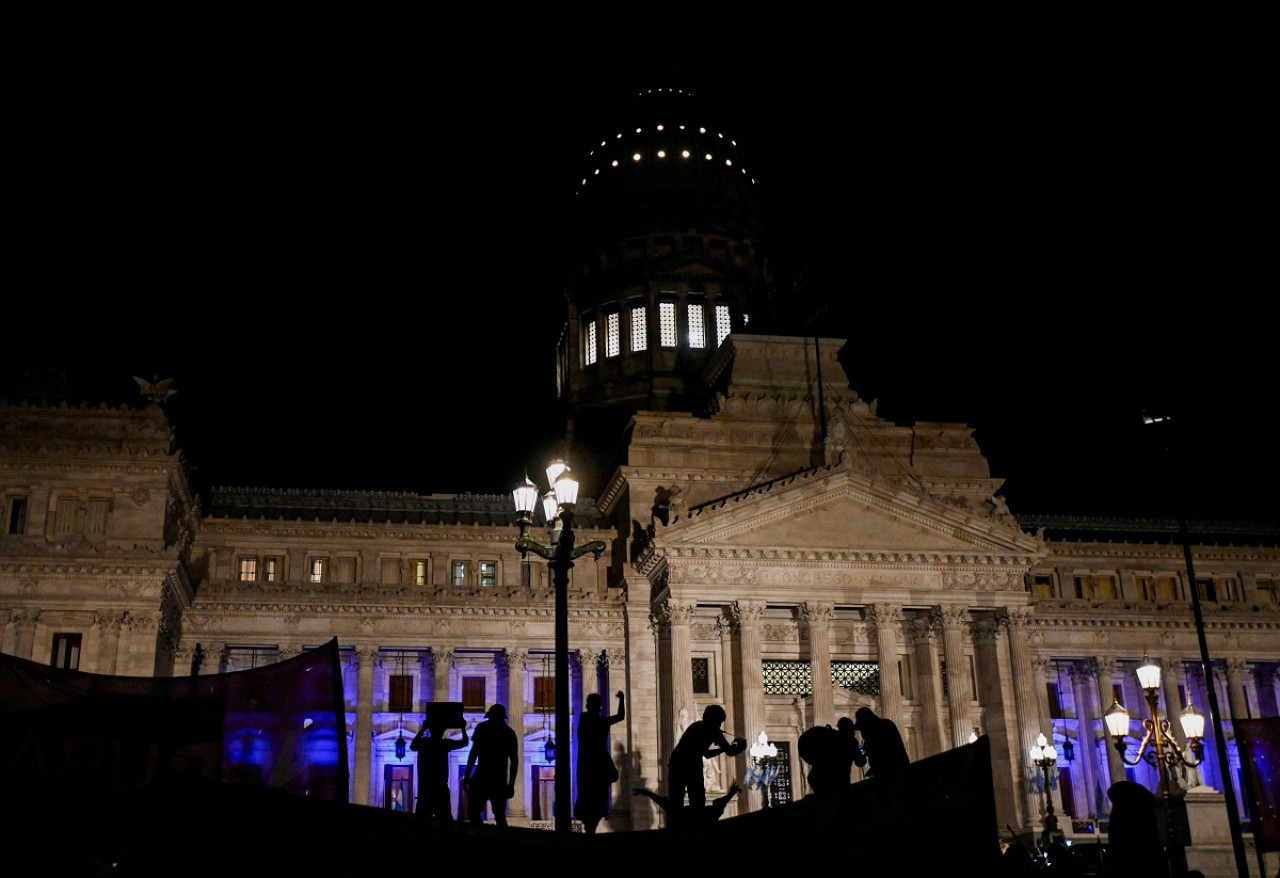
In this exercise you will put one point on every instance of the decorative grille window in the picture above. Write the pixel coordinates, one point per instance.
(787, 677)
(612, 334)
(667, 324)
(697, 326)
(701, 676)
(861, 677)
(723, 324)
(591, 343)
(639, 329)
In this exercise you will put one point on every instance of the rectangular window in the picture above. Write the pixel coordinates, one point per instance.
(344, 570)
(1166, 588)
(473, 694)
(17, 515)
(66, 651)
(1042, 585)
(667, 324)
(591, 343)
(1055, 704)
(697, 326)
(544, 693)
(400, 693)
(723, 324)
(459, 575)
(419, 572)
(701, 676)
(1267, 593)
(639, 329)
(1228, 588)
(95, 523)
(390, 572)
(612, 334)
(317, 570)
(64, 516)
(1146, 586)
(488, 574)
(271, 569)
(1208, 590)
(248, 569)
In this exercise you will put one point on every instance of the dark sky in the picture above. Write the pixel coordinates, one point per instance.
(339, 232)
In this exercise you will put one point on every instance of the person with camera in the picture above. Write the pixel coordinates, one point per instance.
(703, 739)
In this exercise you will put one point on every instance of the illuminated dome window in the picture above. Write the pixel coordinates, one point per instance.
(681, 127)
(728, 163)
(614, 163)
(708, 156)
(598, 173)
(619, 137)
(636, 157)
(662, 153)
(721, 136)
(662, 127)
(702, 131)
(638, 130)
(684, 153)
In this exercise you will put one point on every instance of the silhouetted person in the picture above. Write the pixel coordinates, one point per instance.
(1134, 843)
(433, 767)
(704, 739)
(495, 757)
(596, 771)
(886, 754)
(684, 816)
(831, 754)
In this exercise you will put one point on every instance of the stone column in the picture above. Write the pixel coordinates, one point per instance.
(426, 680)
(515, 659)
(750, 691)
(677, 617)
(1237, 701)
(362, 771)
(108, 642)
(951, 621)
(442, 667)
(928, 688)
(25, 623)
(1087, 713)
(886, 620)
(1018, 623)
(1105, 669)
(818, 619)
(992, 695)
(1042, 670)
(183, 658)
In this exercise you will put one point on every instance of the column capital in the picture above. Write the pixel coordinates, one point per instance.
(1083, 672)
(366, 655)
(1104, 666)
(1014, 617)
(517, 657)
(886, 615)
(817, 614)
(674, 614)
(746, 613)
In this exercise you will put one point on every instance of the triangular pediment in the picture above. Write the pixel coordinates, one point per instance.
(844, 511)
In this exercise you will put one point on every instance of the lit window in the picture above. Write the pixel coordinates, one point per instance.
(723, 325)
(612, 334)
(66, 651)
(271, 569)
(64, 520)
(591, 342)
(639, 329)
(684, 153)
(1268, 591)
(248, 569)
(697, 327)
(667, 324)
(459, 569)
(419, 572)
(488, 573)
(317, 570)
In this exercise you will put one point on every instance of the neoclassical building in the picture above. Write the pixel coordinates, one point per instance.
(773, 546)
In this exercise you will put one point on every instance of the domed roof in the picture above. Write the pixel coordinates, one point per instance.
(667, 163)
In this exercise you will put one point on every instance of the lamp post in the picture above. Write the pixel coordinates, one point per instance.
(1044, 757)
(557, 506)
(1159, 748)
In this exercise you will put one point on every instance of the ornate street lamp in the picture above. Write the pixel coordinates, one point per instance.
(558, 508)
(1159, 748)
(1044, 757)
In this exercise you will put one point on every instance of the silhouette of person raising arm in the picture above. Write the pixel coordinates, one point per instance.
(433, 767)
(490, 776)
(596, 771)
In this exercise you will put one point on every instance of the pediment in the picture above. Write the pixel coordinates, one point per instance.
(844, 511)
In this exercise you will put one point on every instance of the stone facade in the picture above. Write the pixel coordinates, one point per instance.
(789, 556)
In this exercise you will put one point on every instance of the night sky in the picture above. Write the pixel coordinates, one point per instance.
(341, 233)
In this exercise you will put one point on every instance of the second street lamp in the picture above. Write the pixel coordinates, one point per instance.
(558, 507)
(1159, 748)
(1044, 757)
